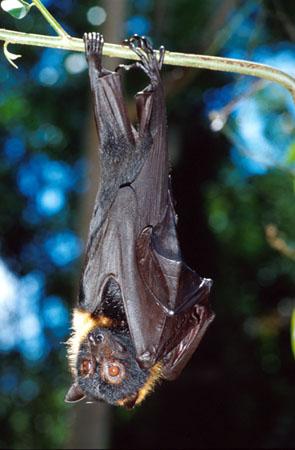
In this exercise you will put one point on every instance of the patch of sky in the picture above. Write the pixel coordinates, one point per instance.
(280, 55)
(34, 348)
(96, 15)
(8, 336)
(9, 288)
(261, 122)
(29, 327)
(50, 201)
(235, 53)
(14, 149)
(27, 180)
(45, 182)
(55, 315)
(75, 63)
(63, 248)
(251, 130)
(31, 287)
(28, 175)
(48, 3)
(66, 5)
(57, 173)
(50, 70)
(22, 318)
(137, 24)
(242, 30)
(216, 99)
(246, 166)
(19, 299)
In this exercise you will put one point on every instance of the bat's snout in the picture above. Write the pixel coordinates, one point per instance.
(95, 338)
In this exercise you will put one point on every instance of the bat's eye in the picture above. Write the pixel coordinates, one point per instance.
(113, 372)
(86, 367)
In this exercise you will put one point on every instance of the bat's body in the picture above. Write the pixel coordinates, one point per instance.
(134, 286)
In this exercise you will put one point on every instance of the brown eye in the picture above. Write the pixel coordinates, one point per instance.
(113, 372)
(86, 367)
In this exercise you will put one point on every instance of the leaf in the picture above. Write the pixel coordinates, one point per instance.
(10, 56)
(16, 8)
(293, 332)
(290, 157)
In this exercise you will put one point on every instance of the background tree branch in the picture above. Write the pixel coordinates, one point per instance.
(171, 58)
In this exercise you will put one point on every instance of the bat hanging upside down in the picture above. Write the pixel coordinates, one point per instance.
(141, 311)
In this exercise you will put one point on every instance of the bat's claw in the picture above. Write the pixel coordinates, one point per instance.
(140, 42)
(142, 47)
(93, 47)
(162, 56)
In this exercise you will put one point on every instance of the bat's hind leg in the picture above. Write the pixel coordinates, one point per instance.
(93, 49)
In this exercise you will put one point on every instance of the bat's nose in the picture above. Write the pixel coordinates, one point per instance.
(95, 338)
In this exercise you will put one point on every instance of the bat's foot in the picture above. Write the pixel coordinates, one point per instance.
(93, 48)
(148, 60)
(141, 46)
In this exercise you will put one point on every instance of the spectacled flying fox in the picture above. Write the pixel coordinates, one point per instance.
(141, 311)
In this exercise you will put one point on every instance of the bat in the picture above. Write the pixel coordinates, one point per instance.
(141, 310)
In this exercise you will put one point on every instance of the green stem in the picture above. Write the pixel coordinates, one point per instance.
(175, 59)
(50, 19)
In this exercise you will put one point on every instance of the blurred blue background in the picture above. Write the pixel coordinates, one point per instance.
(232, 141)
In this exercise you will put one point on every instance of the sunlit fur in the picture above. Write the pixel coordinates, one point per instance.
(148, 387)
(82, 324)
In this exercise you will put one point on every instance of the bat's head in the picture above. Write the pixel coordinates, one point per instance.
(103, 358)
(107, 370)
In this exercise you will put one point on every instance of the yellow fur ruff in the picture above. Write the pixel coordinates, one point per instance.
(149, 386)
(82, 323)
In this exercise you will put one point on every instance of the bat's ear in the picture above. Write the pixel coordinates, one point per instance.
(74, 394)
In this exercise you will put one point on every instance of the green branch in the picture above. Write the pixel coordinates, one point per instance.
(65, 42)
(243, 67)
(50, 19)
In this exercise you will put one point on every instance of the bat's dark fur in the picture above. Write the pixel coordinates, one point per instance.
(142, 312)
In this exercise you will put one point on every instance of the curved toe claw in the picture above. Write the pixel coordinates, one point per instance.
(145, 44)
(139, 42)
(162, 55)
(142, 47)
